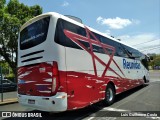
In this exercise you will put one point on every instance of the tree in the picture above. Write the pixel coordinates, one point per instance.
(6, 68)
(12, 16)
(155, 61)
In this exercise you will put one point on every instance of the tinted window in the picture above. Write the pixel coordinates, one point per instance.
(109, 51)
(34, 34)
(86, 44)
(93, 35)
(120, 49)
(130, 52)
(116, 45)
(74, 28)
(137, 54)
(98, 49)
(62, 39)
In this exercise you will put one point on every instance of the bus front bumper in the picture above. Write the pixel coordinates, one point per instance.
(56, 103)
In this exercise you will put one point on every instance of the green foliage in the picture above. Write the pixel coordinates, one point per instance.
(2, 2)
(155, 61)
(12, 16)
(11, 77)
(5, 68)
(23, 12)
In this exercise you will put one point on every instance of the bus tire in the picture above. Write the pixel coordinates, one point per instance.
(109, 95)
(145, 82)
(144, 78)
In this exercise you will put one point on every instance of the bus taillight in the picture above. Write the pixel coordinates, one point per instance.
(55, 79)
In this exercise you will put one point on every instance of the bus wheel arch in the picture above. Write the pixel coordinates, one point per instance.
(110, 93)
(144, 78)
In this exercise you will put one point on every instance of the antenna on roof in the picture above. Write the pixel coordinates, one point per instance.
(74, 18)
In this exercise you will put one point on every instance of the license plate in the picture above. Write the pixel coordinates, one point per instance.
(31, 101)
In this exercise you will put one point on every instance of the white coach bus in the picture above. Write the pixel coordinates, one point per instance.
(66, 65)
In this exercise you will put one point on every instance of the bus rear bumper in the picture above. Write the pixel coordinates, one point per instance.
(56, 103)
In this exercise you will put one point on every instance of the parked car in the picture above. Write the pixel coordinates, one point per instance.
(1, 76)
(7, 85)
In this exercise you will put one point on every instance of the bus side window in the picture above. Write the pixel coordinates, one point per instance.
(120, 51)
(113, 44)
(95, 35)
(74, 28)
(136, 54)
(126, 52)
(62, 39)
(109, 51)
(97, 49)
(85, 44)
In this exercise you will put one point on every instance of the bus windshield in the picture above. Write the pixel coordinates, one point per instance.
(34, 34)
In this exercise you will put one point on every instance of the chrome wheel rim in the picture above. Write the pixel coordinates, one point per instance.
(109, 94)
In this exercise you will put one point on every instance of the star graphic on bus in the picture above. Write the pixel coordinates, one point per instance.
(76, 38)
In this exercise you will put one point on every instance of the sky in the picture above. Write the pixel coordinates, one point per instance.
(136, 22)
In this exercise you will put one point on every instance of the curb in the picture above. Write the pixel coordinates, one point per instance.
(9, 101)
(154, 70)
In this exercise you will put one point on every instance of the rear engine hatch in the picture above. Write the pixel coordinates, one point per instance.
(35, 80)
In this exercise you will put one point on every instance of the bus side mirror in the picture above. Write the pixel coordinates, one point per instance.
(151, 57)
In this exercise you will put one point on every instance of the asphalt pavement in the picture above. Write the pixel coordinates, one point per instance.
(141, 101)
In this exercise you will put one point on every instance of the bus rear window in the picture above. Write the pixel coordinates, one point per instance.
(34, 34)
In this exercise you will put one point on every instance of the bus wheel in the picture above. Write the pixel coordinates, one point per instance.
(145, 82)
(144, 78)
(109, 95)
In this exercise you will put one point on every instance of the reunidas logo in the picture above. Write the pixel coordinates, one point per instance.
(131, 65)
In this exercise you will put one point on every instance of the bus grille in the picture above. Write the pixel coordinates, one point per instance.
(30, 54)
